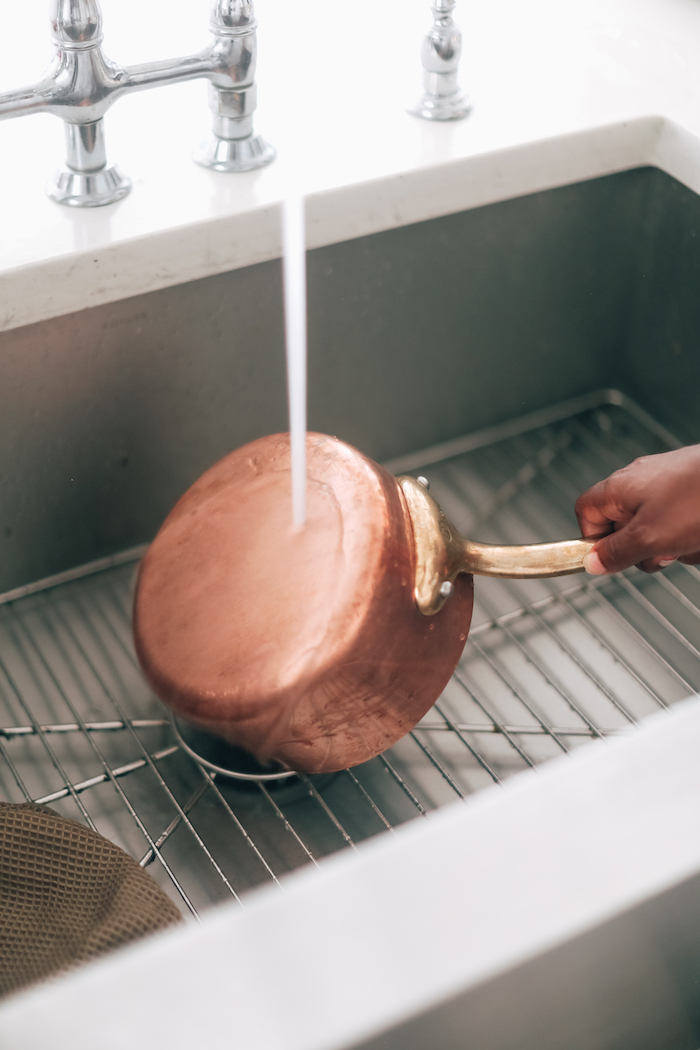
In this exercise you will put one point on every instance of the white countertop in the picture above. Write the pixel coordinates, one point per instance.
(563, 91)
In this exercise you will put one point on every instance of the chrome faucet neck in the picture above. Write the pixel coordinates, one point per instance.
(82, 84)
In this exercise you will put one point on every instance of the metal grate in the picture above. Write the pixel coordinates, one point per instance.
(548, 665)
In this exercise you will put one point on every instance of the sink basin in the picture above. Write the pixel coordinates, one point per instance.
(571, 311)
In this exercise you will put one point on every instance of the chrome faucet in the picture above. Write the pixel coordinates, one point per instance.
(442, 97)
(82, 84)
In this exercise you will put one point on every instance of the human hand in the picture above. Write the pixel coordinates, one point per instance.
(650, 511)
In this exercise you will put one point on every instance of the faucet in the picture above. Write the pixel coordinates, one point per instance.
(82, 83)
(442, 97)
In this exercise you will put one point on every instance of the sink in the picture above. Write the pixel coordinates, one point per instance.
(571, 312)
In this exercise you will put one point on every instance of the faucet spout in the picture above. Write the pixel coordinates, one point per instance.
(24, 101)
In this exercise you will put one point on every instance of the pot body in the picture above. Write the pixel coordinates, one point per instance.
(302, 646)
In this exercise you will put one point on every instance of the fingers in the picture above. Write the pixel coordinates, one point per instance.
(650, 511)
(655, 564)
(630, 545)
(589, 510)
(599, 507)
(599, 563)
(593, 564)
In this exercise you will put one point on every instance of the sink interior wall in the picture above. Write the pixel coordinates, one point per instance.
(417, 335)
(434, 330)
(660, 362)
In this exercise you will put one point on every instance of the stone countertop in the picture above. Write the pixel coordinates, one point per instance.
(562, 92)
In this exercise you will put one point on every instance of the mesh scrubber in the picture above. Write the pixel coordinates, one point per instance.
(67, 895)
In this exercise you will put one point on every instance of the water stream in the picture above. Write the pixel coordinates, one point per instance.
(294, 271)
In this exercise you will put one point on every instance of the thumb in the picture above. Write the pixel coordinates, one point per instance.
(619, 550)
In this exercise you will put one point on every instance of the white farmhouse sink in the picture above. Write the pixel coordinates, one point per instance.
(517, 295)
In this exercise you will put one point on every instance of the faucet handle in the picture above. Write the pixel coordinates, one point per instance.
(76, 22)
(232, 16)
(442, 98)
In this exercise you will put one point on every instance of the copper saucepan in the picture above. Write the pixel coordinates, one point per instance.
(317, 647)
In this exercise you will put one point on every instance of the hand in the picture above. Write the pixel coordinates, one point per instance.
(650, 511)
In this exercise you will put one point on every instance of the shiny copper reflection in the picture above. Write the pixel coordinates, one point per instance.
(302, 646)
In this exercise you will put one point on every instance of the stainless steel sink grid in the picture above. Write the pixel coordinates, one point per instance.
(548, 666)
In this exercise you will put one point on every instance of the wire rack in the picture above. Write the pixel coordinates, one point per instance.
(549, 665)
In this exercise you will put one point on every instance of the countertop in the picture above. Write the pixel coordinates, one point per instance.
(562, 92)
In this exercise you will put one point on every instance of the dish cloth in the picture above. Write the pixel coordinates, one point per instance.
(67, 895)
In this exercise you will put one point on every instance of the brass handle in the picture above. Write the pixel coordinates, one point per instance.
(530, 561)
(441, 553)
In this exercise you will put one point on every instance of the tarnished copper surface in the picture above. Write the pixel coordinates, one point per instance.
(303, 646)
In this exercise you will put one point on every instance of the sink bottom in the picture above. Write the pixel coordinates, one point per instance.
(549, 665)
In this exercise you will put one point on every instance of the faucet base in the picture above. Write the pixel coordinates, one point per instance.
(234, 154)
(94, 189)
(442, 107)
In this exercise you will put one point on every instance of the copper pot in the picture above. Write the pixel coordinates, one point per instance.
(318, 647)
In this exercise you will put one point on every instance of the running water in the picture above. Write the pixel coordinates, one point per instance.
(294, 254)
